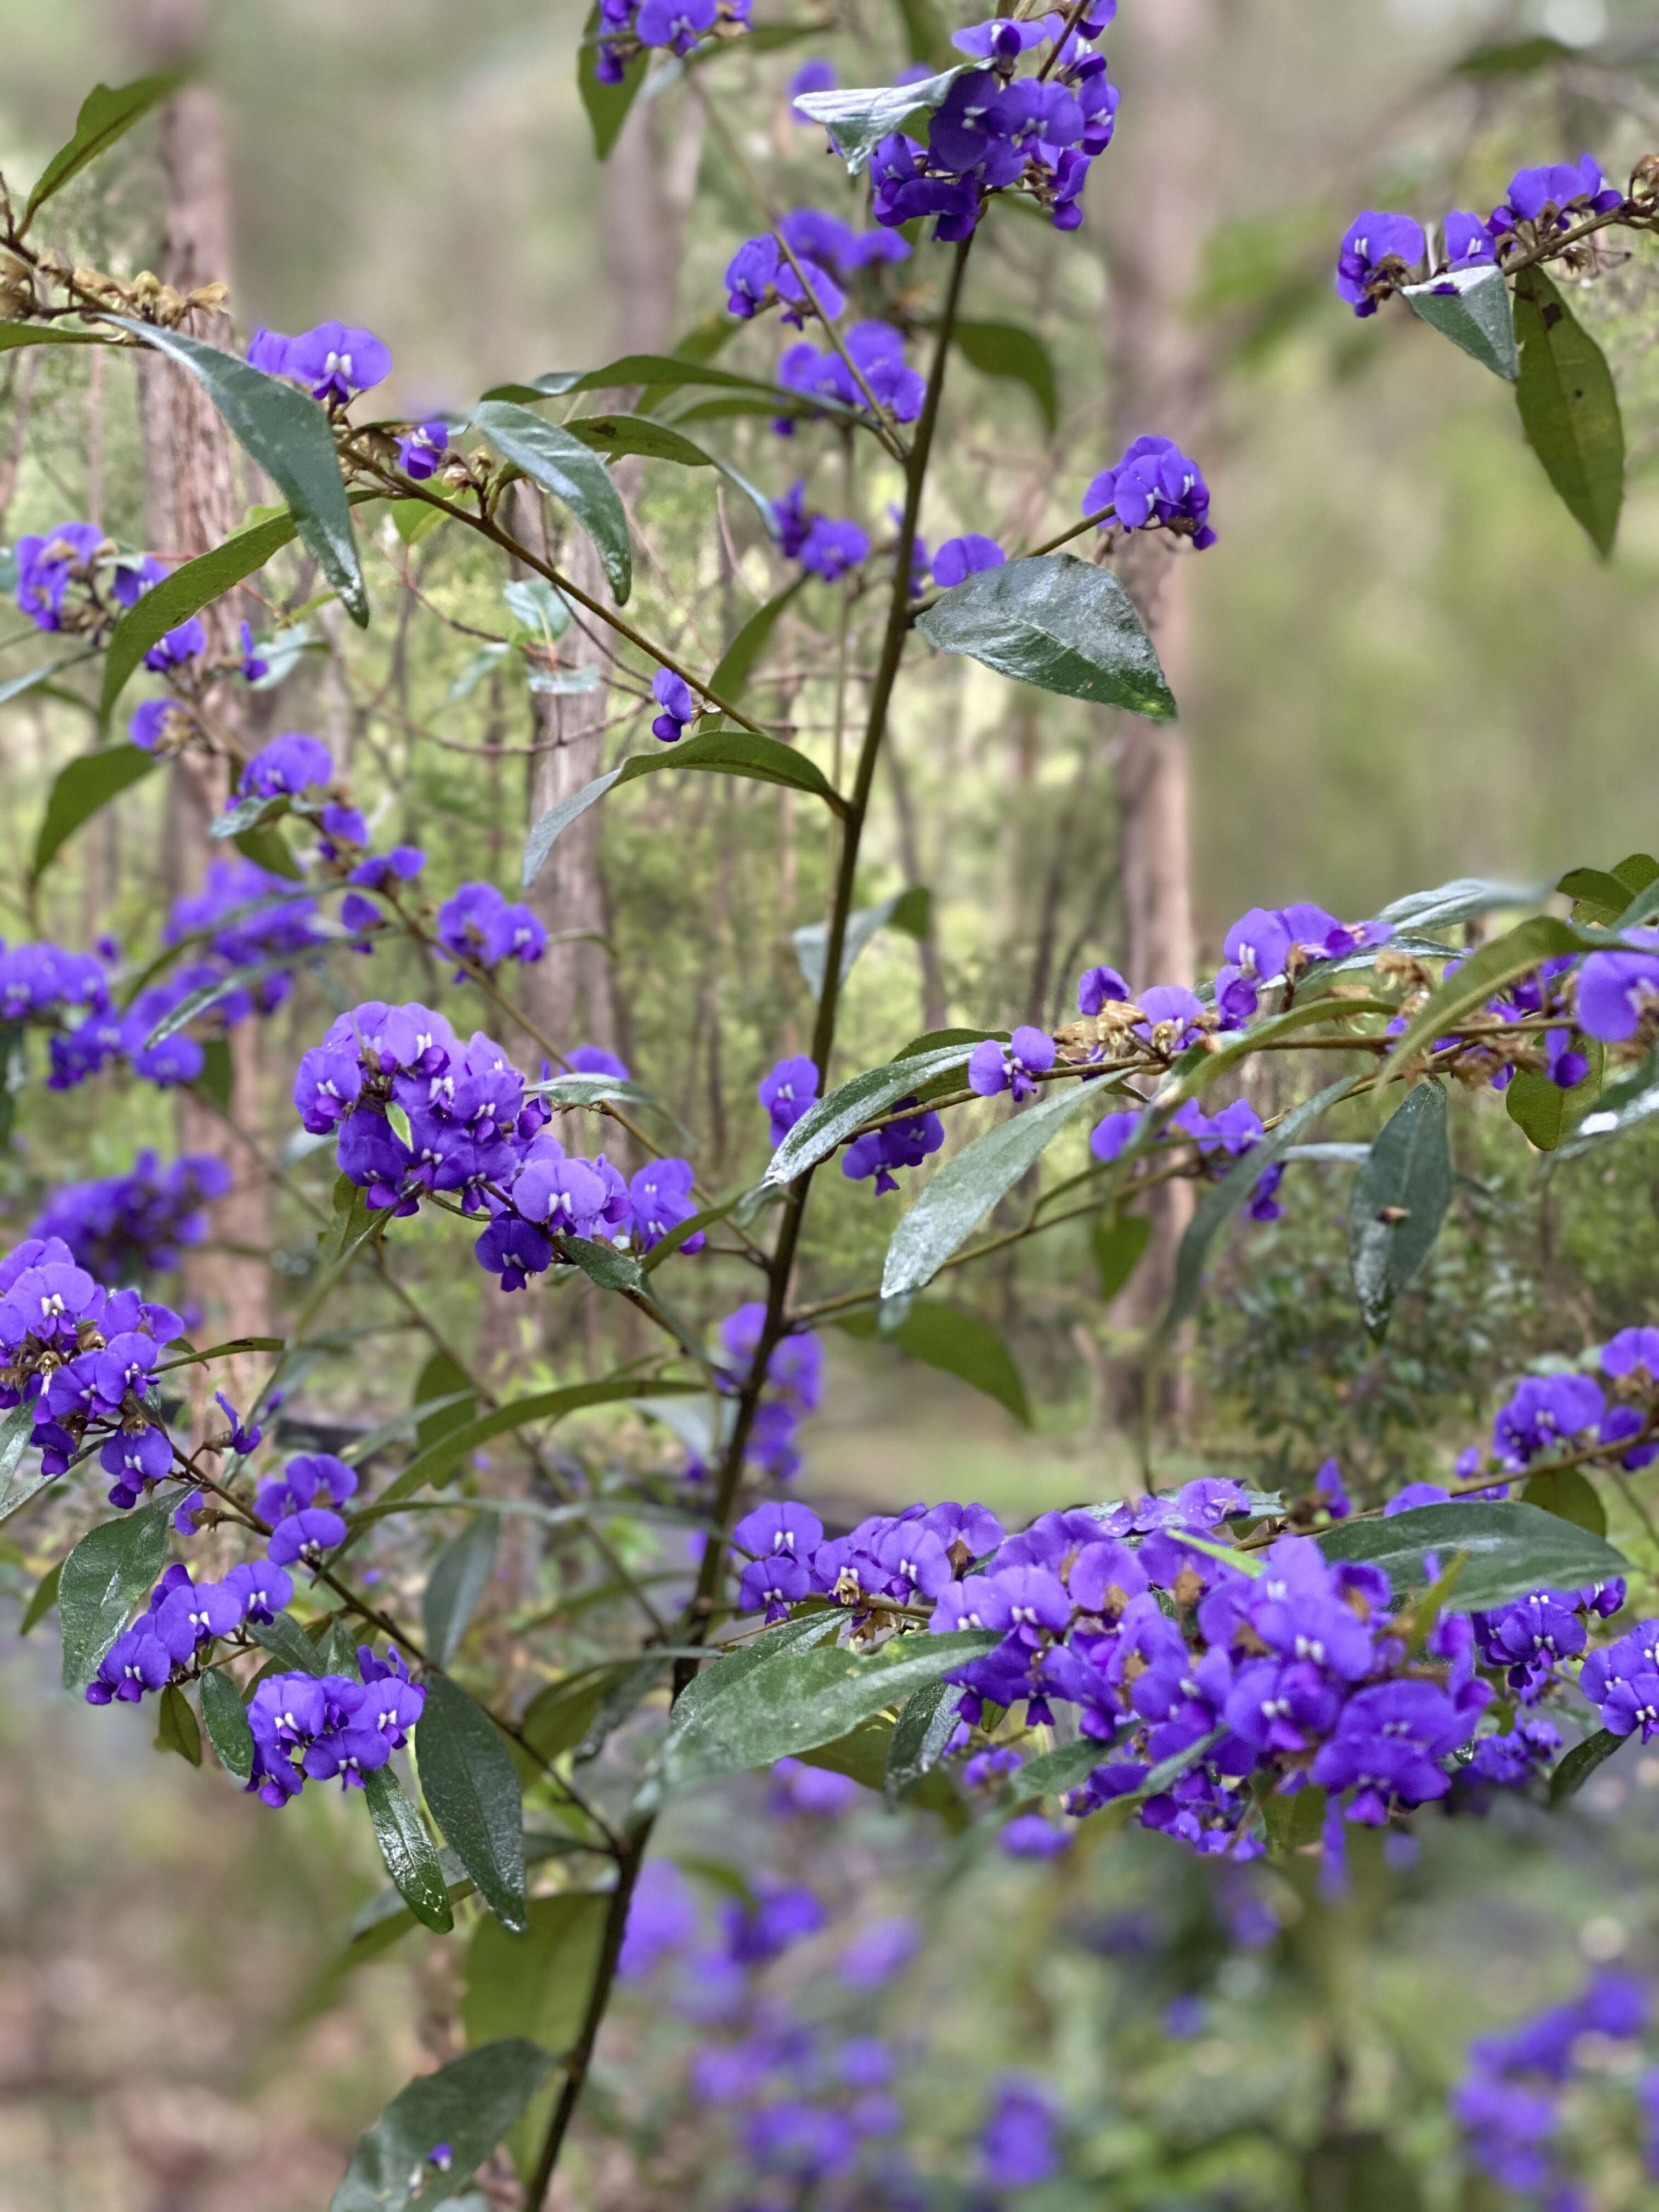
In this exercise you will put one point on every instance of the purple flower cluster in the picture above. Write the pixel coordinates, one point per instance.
(1380, 253)
(761, 275)
(472, 1132)
(993, 1068)
(1155, 486)
(628, 26)
(824, 239)
(877, 350)
(904, 1143)
(823, 545)
(302, 1505)
(171, 1636)
(122, 1227)
(334, 362)
(996, 130)
(1508, 2102)
(478, 924)
(82, 1354)
(1279, 944)
(57, 576)
(311, 1727)
(794, 1386)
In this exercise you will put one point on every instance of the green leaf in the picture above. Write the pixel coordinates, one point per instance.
(1571, 1495)
(13, 335)
(268, 849)
(720, 751)
(858, 120)
(606, 105)
(536, 1984)
(964, 1190)
(407, 1849)
(657, 372)
(943, 1336)
(1598, 897)
(42, 1600)
(284, 1638)
(185, 592)
(557, 1718)
(1481, 975)
(603, 1263)
(456, 1583)
(1005, 349)
(737, 664)
(471, 1785)
(34, 679)
(1471, 306)
(637, 434)
(822, 1127)
(215, 1079)
(225, 1718)
(1621, 1107)
(927, 36)
(176, 1726)
(1293, 1822)
(1119, 1240)
(1051, 1773)
(1570, 1775)
(287, 434)
(563, 466)
(926, 1724)
(796, 1700)
(1514, 57)
(111, 1567)
(15, 1429)
(1055, 622)
(80, 789)
(107, 113)
(437, 1457)
(1398, 1202)
(1537, 1106)
(1570, 408)
(1358, 2171)
(1224, 1199)
(469, 2104)
(911, 911)
(441, 1378)
(1460, 900)
(1513, 1549)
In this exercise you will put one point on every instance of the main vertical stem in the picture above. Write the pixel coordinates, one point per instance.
(693, 1625)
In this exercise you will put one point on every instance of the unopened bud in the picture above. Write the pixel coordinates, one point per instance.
(1644, 181)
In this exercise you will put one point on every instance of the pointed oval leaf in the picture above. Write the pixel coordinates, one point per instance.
(107, 113)
(79, 789)
(176, 1726)
(1005, 349)
(737, 663)
(1471, 306)
(407, 1849)
(1538, 1106)
(606, 105)
(455, 1585)
(860, 118)
(1055, 622)
(471, 1785)
(287, 435)
(572, 473)
(1570, 408)
(957, 1343)
(1569, 1778)
(1399, 1201)
(1119, 1240)
(225, 1718)
(111, 1567)
(436, 1457)
(1458, 900)
(1513, 1549)
(1568, 1493)
(637, 434)
(469, 2104)
(926, 1722)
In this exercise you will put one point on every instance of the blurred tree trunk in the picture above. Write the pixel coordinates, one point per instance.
(1159, 213)
(192, 501)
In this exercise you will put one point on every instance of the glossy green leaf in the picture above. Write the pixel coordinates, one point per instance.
(176, 1726)
(602, 1264)
(456, 1583)
(1055, 622)
(958, 1343)
(1569, 1778)
(557, 1717)
(1005, 349)
(738, 661)
(1598, 897)
(638, 434)
(1537, 1106)
(470, 2103)
(1570, 408)
(1569, 1494)
(865, 1098)
(1471, 306)
(1512, 1549)
(859, 118)
(287, 434)
(80, 789)
(1051, 1773)
(1119, 1240)
(965, 1188)
(184, 592)
(655, 372)
(1223, 1200)
(225, 1718)
(606, 105)
(926, 1724)
(536, 1984)
(103, 1577)
(441, 1378)
(437, 1457)
(107, 113)
(285, 1640)
(720, 751)
(1398, 1202)
(910, 911)
(572, 473)
(1460, 900)
(407, 1849)
(1622, 1106)
(796, 1700)
(17, 1427)
(1481, 975)
(471, 1786)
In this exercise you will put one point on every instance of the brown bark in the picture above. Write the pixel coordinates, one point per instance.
(194, 498)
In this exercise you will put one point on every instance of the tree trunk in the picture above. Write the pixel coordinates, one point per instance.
(1161, 383)
(193, 500)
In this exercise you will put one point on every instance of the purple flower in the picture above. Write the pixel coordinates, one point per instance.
(662, 1919)
(49, 564)
(1619, 992)
(1016, 2146)
(254, 664)
(306, 1536)
(159, 725)
(831, 547)
(993, 1067)
(881, 1949)
(1028, 1836)
(814, 75)
(1380, 253)
(660, 1199)
(811, 1790)
(676, 24)
(286, 767)
(786, 1092)
(1155, 486)
(1098, 986)
(420, 451)
(1554, 198)
(902, 1144)
(958, 558)
(478, 924)
(334, 361)
(673, 695)
(1173, 1016)
(593, 1059)
(1467, 242)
